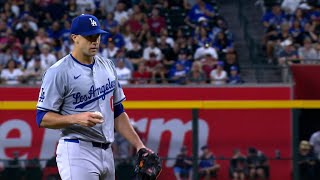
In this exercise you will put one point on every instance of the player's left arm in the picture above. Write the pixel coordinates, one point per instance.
(123, 126)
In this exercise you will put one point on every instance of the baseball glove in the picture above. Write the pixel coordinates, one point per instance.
(148, 164)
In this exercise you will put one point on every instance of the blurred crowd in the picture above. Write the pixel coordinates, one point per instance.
(150, 41)
(292, 29)
(254, 165)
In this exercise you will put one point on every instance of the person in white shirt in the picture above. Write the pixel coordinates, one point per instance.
(124, 73)
(120, 14)
(82, 5)
(307, 53)
(204, 50)
(34, 72)
(151, 48)
(47, 58)
(219, 76)
(11, 74)
(111, 51)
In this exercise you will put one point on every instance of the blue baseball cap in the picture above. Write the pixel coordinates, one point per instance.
(234, 68)
(86, 25)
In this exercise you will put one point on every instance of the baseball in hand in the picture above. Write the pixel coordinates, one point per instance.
(98, 113)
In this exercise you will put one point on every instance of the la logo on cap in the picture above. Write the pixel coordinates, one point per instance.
(93, 22)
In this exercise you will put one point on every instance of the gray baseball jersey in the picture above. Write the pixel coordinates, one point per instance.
(69, 87)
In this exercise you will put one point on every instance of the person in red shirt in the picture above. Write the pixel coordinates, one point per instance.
(141, 76)
(156, 22)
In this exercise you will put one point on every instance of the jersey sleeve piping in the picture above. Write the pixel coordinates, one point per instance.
(117, 103)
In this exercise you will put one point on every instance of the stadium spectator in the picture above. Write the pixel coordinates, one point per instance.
(276, 17)
(164, 36)
(307, 53)
(84, 5)
(42, 37)
(47, 58)
(120, 56)
(66, 34)
(135, 54)
(71, 9)
(205, 50)
(290, 6)
(169, 56)
(307, 162)
(109, 21)
(34, 72)
(111, 51)
(151, 48)
(28, 54)
(178, 74)
(315, 143)
(116, 36)
(11, 75)
(141, 76)
(121, 14)
(219, 76)
(222, 44)
(156, 22)
(238, 165)
(54, 31)
(202, 37)
(159, 74)
(234, 77)
(208, 166)
(220, 27)
(196, 74)
(231, 60)
(183, 165)
(56, 9)
(128, 36)
(289, 54)
(296, 30)
(200, 9)
(209, 63)
(136, 20)
(25, 34)
(257, 164)
(108, 6)
(26, 18)
(124, 73)
(183, 59)
(152, 62)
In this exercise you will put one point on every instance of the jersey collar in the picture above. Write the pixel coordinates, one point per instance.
(87, 65)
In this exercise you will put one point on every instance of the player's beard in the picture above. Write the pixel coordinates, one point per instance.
(90, 51)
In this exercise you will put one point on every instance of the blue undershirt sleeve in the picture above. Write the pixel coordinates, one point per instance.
(40, 114)
(118, 109)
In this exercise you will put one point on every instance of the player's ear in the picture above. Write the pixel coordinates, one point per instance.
(74, 38)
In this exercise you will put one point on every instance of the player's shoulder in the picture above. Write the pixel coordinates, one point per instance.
(105, 61)
(60, 66)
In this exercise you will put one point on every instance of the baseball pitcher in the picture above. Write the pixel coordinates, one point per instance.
(81, 96)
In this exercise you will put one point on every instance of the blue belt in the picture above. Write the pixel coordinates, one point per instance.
(94, 144)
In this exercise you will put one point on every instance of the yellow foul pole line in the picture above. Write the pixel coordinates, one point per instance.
(206, 104)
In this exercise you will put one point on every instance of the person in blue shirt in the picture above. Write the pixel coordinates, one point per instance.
(200, 9)
(183, 165)
(275, 17)
(234, 77)
(208, 166)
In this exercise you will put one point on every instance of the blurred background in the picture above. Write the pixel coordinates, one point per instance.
(171, 51)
